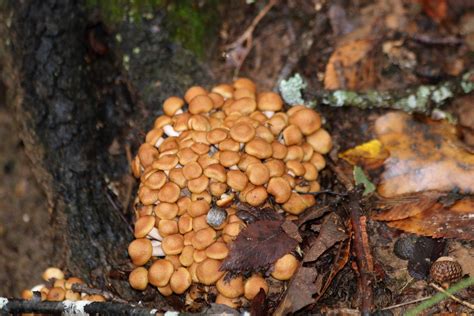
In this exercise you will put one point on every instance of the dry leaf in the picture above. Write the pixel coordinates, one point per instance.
(332, 231)
(300, 292)
(424, 156)
(436, 9)
(258, 246)
(370, 155)
(342, 65)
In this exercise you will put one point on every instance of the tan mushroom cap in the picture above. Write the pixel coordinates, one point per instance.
(225, 90)
(71, 296)
(143, 226)
(307, 120)
(199, 123)
(136, 167)
(167, 227)
(138, 278)
(321, 141)
(176, 176)
(242, 132)
(147, 154)
(292, 135)
(308, 151)
(71, 281)
(217, 188)
(162, 120)
(256, 196)
(318, 161)
(169, 143)
(311, 173)
(154, 179)
(187, 155)
(279, 151)
(237, 180)
(216, 172)
(204, 195)
(199, 255)
(264, 133)
(204, 238)
(153, 136)
(160, 272)
(295, 108)
(56, 294)
(259, 117)
(245, 83)
(180, 280)
(186, 256)
(269, 101)
(277, 123)
(180, 123)
(294, 152)
(200, 222)
(232, 228)
(208, 271)
(276, 167)
(174, 259)
(253, 285)
(290, 179)
(172, 244)
(229, 144)
(298, 203)
(185, 224)
(183, 204)
(216, 135)
(166, 210)
(246, 160)
(229, 158)
(258, 173)
(169, 193)
(200, 148)
(140, 251)
(285, 267)
(193, 92)
(165, 162)
(231, 289)
(198, 208)
(243, 93)
(245, 106)
(217, 250)
(295, 167)
(234, 303)
(172, 104)
(280, 189)
(165, 290)
(201, 104)
(52, 273)
(192, 170)
(217, 99)
(259, 148)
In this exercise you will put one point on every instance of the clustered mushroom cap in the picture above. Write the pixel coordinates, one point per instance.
(207, 150)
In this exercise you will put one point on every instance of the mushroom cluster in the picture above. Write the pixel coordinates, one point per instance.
(58, 288)
(209, 149)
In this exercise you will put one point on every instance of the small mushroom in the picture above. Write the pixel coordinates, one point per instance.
(253, 285)
(232, 288)
(217, 250)
(172, 105)
(160, 272)
(167, 227)
(237, 180)
(280, 189)
(180, 280)
(172, 244)
(321, 141)
(203, 238)
(140, 251)
(56, 294)
(208, 271)
(242, 132)
(259, 148)
(269, 101)
(198, 208)
(307, 120)
(166, 210)
(186, 256)
(201, 104)
(138, 278)
(193, 92)
(285, 267)
(234, 303)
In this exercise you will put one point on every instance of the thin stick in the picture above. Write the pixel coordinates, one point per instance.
(460, 301)
(406, 303)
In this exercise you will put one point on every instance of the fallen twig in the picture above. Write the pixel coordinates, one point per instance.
(15, 306)
(421, 99)
(405, 303)
(451, 296)
(235, 50)
(82, 288)
(361, 243)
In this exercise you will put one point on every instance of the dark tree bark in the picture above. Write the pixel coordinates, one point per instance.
(73, 98)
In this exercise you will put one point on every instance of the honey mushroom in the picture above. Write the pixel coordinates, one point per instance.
(231, 143)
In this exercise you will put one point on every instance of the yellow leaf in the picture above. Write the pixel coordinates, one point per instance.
(370, 155)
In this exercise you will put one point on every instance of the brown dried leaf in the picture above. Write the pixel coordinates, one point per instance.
(455, 221)
(332, 231)
(291, 229)
(424, 156)
(258, 246)
(300, 292)
(342, 65)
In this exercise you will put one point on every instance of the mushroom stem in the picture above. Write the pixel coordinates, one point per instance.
(180, 111)
(159, 142)
(169, 130)
(234, 167)
(268, 114)
(154, 234)
(157, 249)
(37, 288)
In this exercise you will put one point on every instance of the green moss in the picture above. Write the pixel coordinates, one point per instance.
(189, 22)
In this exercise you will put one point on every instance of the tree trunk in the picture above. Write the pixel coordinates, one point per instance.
(79, 109)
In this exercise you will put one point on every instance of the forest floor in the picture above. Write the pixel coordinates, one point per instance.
(403, 44)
